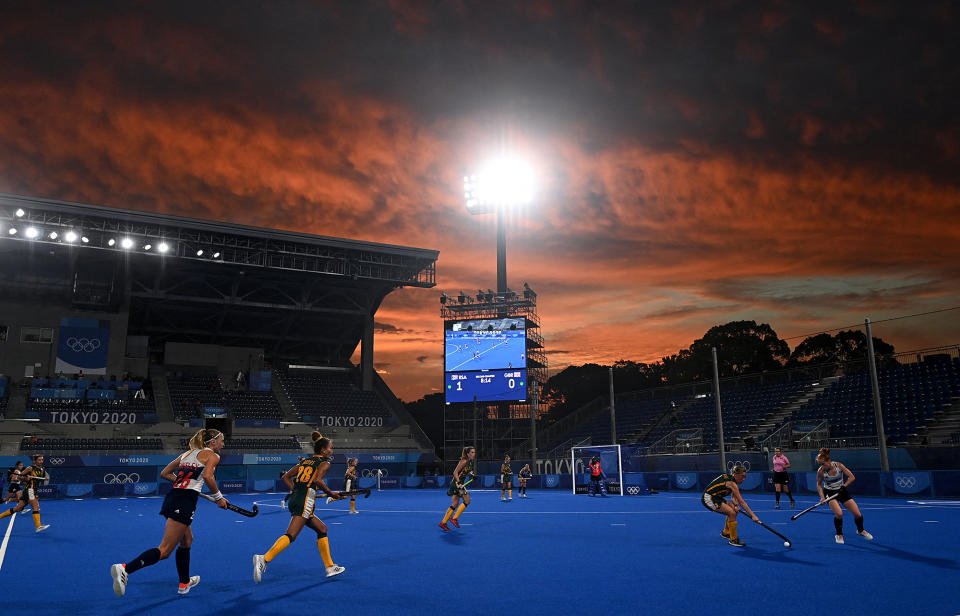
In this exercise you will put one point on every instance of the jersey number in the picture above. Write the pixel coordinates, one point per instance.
(183, 478)
(305, 474)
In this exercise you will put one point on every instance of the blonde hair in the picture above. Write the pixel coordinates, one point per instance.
(824, 455)
(738, 469)
(202, 437)
(466, 452)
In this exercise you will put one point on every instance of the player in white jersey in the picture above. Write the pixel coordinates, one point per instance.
(833, 478)
(188, 472)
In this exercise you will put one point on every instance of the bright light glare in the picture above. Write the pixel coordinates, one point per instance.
(71, 236)
(12, 231)
(20, 212)
(53, 235)
(200, 253)
(85, 239)
(31, 232)
(216, 255)
(163, 247)
(111, 242)
(126, 243)
(504, 182)
(147, 247)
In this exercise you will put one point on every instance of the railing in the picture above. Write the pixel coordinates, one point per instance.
(560, 451)
(683, 440)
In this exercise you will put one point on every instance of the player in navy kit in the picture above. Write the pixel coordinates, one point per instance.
(188, 472)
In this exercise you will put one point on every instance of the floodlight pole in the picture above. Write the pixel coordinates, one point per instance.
(877, 408)
(716, 397)
(501, 251)
(613, 412)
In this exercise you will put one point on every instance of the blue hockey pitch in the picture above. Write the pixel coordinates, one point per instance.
(552, 553)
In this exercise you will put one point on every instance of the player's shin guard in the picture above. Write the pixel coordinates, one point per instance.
(447, 515)
(838, 524)
(510, 493)
(36, 518)
(732, 529)
(279, 545)
(323, 544)
(459, 510)
(183, 564)
(150, 557)
(858, 520)
(7, 513)
(778, 497)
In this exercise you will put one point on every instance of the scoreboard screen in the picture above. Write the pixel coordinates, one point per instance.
(486, 385)
(487, 344)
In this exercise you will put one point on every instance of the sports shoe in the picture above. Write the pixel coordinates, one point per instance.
(329, 499)
(259, 566)
(865, 535)
(838, 538)
(119, 574)
(444, 526)
(335, 570)
(737, 543)
(454, 522)
(354, 511)
(724, 534)
(503, 500)
(777, 506)
(42, 528)
(185, 588)
(510, 499)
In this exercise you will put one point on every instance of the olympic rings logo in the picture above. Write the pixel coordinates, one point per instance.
(121, 478)
(55, 461)
(906, 482)
(374, 472)
(633, 490)
(744, 463)
(83, 345)
(684, 480)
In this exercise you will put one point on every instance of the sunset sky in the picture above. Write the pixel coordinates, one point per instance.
(792, 163)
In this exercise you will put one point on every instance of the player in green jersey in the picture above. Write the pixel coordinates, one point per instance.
(714, 499)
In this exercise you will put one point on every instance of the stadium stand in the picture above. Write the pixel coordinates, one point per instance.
(90, 444)
(328, 393)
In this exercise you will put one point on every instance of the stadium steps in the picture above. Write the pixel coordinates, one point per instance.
(418, 438)
(16, 407)
(776, 418)
(940, 430)
(640, 435)
(161, 394)
(283, 399)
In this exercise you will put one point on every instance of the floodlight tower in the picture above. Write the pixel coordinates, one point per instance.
(501, 185)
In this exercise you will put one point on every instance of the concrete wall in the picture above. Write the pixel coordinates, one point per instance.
(14, 355)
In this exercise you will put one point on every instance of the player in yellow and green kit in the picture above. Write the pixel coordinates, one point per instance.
(302, 479)
(506, 479)
(32, 477)
(462, 475)
(714, 500)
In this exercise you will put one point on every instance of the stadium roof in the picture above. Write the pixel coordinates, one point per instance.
(299, 296)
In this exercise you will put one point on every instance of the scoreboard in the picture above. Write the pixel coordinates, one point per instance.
(487, 386)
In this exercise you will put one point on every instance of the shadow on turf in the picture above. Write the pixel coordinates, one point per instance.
(782, 556)
(886, 550)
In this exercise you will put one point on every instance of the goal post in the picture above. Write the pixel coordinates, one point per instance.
(611, 461)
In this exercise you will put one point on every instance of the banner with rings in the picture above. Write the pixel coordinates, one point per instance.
(913, 482)
(83, 348)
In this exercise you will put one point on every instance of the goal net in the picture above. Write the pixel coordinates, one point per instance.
(611, 463)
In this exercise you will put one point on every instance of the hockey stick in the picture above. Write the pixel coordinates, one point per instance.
(809, 509)
(233, 507)
(349, 493)
(786, 542)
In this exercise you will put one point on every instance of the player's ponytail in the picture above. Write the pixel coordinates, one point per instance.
(203, 437)
(466, 452)
(824, 455)
(320, 442)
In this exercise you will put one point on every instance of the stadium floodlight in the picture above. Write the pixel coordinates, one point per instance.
(147, 247)
(111, 242)
(12, 231)
(126, 243)
(216, 255)
(200, 253)
(70, 236)
(162, 247)
(85, 239)
(501, 184)
(31, 232)
(20, 213)
(53, 235)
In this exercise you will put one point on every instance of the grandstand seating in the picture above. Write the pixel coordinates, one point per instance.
(258, 444)
(189, 393)
(90, 444)
(910, 396)
(328, 393)
(252, 405)
(73, 404)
